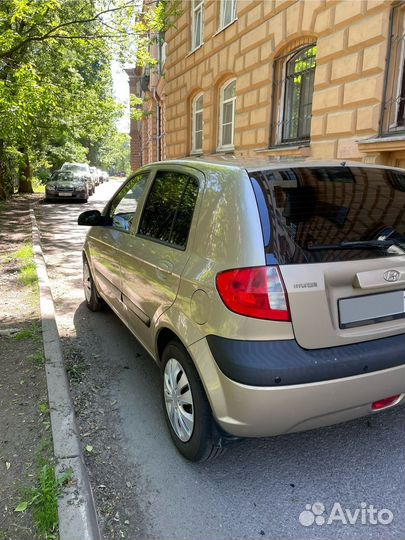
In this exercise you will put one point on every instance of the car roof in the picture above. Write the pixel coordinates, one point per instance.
(257, 164)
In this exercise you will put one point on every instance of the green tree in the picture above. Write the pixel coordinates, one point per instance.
(56, 101)
(114, 153)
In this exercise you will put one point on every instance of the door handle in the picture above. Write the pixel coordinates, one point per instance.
(166, 266)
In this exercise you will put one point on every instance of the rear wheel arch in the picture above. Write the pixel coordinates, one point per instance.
(164, 337)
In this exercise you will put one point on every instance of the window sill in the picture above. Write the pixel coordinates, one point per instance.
(292, 150)
(391, 137)
(386, 143)
(196, 153)
(194, 50)
(225, 27)
(278, 147)
(225, 149)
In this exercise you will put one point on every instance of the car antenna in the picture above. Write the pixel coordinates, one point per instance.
(343, 163)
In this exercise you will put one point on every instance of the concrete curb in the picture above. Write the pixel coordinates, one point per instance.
(76, 508)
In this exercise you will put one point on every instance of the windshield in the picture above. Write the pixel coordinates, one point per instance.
(65, 176)
(74, 167)
(308, 213)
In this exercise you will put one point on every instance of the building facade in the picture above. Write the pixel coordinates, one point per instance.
(304, 78)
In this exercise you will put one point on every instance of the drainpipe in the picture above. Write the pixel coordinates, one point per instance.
(158, 115)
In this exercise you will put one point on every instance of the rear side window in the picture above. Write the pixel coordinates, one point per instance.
(169, 208)
(309, 214)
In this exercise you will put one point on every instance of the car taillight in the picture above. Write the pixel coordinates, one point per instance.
(385, 402)
(255, 292)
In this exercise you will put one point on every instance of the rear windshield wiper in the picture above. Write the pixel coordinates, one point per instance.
(360, 244)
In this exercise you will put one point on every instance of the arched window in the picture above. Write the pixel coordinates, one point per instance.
(197, 124)
(293, 91)
(227, 115)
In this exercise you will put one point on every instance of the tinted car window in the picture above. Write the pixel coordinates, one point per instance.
(124, 205)
(182, 221)
(302, 209)
(169, 208)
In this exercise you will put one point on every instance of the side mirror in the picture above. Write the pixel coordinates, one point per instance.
(91, 218)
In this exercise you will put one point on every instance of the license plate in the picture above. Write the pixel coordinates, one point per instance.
(65, 194)
(371, 309)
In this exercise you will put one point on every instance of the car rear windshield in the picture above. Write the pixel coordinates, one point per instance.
(312, 214)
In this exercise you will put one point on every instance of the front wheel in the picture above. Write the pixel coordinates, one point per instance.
(187, 411)
(93, 301)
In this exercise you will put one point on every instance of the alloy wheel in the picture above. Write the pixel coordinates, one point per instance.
(178, 400)
(87, 282)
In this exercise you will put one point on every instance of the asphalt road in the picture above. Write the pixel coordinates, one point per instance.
(257, 489)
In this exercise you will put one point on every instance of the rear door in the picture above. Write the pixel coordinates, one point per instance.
(337, 295)
(157, 251)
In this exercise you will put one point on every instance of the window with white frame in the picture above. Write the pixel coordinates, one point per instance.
(393, 109)
(197, 15)
(227, 13)
(227, 115)
(197, 124)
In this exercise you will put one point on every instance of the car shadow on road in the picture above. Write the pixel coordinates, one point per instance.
(339, 463)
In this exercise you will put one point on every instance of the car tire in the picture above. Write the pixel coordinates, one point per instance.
(93, 300)
(202, 442)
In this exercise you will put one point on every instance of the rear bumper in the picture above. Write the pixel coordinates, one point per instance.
(257, 411)
(281, 363)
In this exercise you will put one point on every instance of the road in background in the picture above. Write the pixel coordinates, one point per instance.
(257, 489)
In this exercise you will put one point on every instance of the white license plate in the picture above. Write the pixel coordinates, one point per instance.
(371, 309)
(65, 194)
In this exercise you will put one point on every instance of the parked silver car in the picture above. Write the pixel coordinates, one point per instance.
(81, 170)
(271, 294)
(66, 185)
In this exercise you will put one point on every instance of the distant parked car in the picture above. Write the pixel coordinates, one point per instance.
(270, 294)
(66, 185)
(95, 175)
(104, 175)
(81, 170)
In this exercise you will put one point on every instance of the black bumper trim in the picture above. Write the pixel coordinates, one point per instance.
(282, 363)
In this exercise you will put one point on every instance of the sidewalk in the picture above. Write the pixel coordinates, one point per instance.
(25, 439)
(45, 493)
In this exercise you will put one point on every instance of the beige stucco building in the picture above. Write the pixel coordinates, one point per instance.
(317, 78)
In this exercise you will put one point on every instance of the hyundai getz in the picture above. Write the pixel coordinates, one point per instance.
(271, 294)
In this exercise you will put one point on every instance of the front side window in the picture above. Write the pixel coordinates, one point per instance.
(293, 87)
(393, 112)
(197, 135)
(228, 12)
(227, 115)
(197, 16)
(124, 205)
(169, 208)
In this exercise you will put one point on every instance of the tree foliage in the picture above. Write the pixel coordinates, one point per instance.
(114, 154)
(56, 100)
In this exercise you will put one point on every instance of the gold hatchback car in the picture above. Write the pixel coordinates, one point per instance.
(271, 294)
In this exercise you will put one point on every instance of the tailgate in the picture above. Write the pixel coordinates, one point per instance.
(343, 302)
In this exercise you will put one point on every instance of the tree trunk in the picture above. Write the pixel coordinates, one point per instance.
(26, 177)
(6, 182)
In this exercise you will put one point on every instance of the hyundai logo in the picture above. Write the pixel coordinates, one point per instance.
(391, 275)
